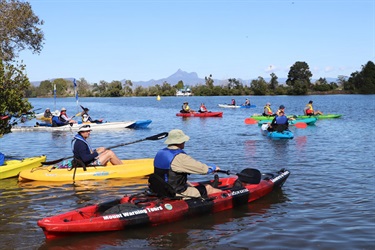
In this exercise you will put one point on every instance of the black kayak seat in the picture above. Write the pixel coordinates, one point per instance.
(161, 188)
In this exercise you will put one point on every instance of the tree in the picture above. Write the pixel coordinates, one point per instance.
(128, 91)
(363, 82)
(19, 29)
(299, 78)
(13, 85)
(84, 88)
(209, 81)
(273, 82)
(259, 86)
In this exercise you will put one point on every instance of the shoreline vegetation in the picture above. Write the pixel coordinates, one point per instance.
(297, 83)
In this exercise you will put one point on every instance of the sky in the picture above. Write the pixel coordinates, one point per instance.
(140, 40)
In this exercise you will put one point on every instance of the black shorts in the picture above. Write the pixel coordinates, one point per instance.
(202, 190)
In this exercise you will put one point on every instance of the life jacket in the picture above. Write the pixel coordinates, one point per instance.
(162, 168)
(281, 120)
(309, 110)
(57, 122)
(269, 111)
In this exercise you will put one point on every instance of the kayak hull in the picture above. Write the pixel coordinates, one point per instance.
(197, 114)
(319, 117)
(229, 106)
(94, 126)
(286, 134)
(146, 209)
(140, 124)
(12, 168)
(129, 169)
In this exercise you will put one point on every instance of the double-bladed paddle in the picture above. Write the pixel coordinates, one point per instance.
(150, 138)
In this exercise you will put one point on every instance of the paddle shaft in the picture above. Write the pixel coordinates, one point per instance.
(150, 138)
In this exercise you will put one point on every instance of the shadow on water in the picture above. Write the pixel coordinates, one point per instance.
(192, 232)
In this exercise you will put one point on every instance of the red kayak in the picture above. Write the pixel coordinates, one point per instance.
(197, 114)
(151, 209)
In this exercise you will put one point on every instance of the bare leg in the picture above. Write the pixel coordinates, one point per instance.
(212, 190)
(108, 155)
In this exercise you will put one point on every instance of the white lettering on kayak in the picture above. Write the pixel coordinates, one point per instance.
(239, 192)
(280, 176)
(132, 213)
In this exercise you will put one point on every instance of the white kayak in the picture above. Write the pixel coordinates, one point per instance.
(230, 106)
(75, 127)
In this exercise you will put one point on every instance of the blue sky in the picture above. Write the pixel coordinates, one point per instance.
(140, 40)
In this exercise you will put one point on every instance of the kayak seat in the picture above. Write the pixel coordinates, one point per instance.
(250, 175)
(161, 188)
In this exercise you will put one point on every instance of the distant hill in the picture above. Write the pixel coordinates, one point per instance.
(190, 79)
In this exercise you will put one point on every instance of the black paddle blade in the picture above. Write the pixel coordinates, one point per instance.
(157, 137)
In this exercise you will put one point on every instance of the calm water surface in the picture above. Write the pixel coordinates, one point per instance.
(328, 202)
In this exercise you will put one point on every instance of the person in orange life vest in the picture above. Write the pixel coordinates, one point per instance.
(202, 108)
(173, 165)
(309, 110)
(267, 111)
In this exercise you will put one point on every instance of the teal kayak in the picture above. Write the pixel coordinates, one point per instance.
(308, 121)
(286, 134)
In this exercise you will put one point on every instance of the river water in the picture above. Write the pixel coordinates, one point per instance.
(328, 202)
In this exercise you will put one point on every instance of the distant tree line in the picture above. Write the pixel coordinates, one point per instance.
(297, 83)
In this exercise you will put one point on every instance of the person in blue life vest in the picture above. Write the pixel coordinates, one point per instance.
(56, 122)
(173, 165)
(247, 103)
(280, 123)
(89, 156)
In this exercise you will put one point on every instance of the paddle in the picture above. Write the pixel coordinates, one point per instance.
(150, 138)
(250, 121)
(248, 175)
(300, 125)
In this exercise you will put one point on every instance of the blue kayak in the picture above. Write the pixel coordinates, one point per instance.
(286, 134)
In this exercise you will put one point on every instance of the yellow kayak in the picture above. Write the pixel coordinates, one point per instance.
(12, 168)
(129, 169)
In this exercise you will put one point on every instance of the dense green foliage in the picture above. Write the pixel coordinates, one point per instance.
(19, 30)
(13, 85)
(362, 82)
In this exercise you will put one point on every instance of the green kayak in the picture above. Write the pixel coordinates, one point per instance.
(325, 116)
